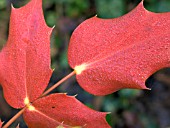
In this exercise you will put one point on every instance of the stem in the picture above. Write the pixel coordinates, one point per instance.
(14, 118)
(58, 83)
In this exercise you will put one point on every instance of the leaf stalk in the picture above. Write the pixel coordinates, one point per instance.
(14, 118)
(58, 83)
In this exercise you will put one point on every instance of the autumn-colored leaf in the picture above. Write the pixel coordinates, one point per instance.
(25, 72)
(25, 60)
(111, 54)
(59, 110)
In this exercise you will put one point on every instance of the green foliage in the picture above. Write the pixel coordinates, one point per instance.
(110, 8)
(158, 5)
(2, 4)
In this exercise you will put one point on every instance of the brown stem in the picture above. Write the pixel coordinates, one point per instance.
(14, 118)
(58, 83)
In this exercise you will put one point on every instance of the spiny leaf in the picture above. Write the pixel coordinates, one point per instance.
(62, 110)
(25, 60)
(111, 54)
(25, 72)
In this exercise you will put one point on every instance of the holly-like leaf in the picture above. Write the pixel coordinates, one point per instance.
(111, 54)
(25, 60)
(25, 72)
(62, 111)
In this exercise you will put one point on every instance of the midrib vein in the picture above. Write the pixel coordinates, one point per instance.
(58, 123)
(27, 66)
(90, 64)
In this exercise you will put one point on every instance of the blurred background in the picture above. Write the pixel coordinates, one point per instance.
(129, 108)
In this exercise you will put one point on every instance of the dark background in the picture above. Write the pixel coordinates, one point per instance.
(130, 108)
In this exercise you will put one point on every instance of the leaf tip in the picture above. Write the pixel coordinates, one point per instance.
(75, 95)
(53, 27)
(108, 112)
(50, 29)
(148, 88)
(141, 4)
(65, 93)
(12, 7)
(53, 69)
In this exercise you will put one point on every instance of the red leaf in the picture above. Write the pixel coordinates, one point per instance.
(25, 72)
(25, 60)
(111, 54)
(62, 110)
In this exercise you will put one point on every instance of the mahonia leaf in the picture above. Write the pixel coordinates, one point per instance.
(25, 72)
(62, 111)
(111, 54)
(25, 60)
